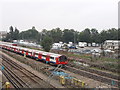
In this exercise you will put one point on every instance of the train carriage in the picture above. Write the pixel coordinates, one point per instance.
(37, 54)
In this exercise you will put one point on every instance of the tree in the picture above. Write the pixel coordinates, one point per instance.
(42, 35)
(11, 29)
(11, 33)
(112, 34)
(85, 36)
(68, 35)
(16, 34)
(118, 35)
(46, 43)
(55, 34)
(7, 38)
(94, 35)
(30, 35)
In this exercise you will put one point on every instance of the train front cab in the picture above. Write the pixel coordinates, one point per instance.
(62, 60)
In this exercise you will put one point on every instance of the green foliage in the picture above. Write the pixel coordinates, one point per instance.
(16, 34)
(111, 34)
(85, 35)
(56, 34)
(12, 35)
(46, 43)
(30, 35)
(118, 34)
(111, 65)
(66, 35)
(7, 38)
(93, 35)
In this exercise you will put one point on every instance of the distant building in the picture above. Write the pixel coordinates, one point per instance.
(3, 34)
(56, 46)
(89, 44)
(82, 44)
(111, 44)
(93, 44)
(70, 44)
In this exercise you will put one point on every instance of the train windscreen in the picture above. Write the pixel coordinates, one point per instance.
(62, 58)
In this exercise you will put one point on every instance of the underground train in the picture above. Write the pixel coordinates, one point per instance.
(48, 57)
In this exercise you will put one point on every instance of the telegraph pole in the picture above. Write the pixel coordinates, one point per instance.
(74, 39)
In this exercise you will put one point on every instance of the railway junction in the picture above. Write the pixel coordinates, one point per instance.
(24, 72)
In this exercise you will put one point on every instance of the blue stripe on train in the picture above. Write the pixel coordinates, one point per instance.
(52, 62)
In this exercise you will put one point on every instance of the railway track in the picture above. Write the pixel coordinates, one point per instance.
(20, 77)
(102, 73)
(103, 79)
(95, 65)
(107, 79)
(15, 81)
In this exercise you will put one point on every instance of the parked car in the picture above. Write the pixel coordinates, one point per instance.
(87, 51)
(96, 51)
(72, 47)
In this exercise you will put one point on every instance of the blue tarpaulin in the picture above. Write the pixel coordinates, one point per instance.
(60, 73)
(2, 67)
(69, 77)
(66, 75)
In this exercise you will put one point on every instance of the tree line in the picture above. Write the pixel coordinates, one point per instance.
(66, 35)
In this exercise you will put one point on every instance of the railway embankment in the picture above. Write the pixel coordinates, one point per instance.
(29, 68)
(86, 80)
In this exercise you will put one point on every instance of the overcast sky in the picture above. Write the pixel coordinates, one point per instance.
(49, 14)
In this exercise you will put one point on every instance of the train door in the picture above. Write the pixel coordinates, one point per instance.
(40, 56)
(22, 51)
(26, 52)
(48, 58)
(33, 54)
(57, 58)
(18, 50)
(14, 49)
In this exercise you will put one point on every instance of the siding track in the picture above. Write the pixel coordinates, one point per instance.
(20, 77)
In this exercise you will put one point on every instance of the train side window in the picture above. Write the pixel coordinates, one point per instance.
(29, 52)
(43, 55)
(36, 53)
(51, 57)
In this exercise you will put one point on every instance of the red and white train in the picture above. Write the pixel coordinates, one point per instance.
(40, 55)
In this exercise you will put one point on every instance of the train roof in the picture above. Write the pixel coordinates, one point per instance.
(31, 50)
